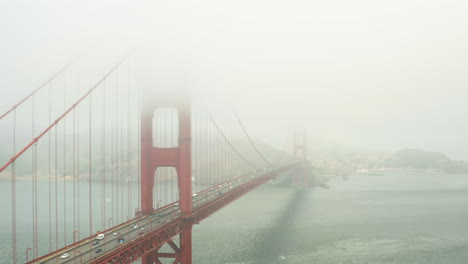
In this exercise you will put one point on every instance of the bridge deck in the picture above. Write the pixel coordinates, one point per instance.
(148, 232)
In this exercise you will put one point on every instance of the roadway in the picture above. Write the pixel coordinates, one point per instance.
(84, 250)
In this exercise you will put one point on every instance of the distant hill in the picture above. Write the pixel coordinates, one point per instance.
(423, 160)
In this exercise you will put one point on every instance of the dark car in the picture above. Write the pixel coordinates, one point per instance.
(95, 243)
(98, 250)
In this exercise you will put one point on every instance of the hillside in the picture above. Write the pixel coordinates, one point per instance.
(422, 160)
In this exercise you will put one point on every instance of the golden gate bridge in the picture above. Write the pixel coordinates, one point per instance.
(116, 172)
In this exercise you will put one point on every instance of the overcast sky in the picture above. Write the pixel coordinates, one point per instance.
(371, 74)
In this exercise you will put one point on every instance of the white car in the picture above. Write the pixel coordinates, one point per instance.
(115, 233)
(100, 237)
(135, 226)
(64, 256)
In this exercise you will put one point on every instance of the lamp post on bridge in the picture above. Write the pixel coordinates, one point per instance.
(81, 256)
(74, 235)
(27, 254)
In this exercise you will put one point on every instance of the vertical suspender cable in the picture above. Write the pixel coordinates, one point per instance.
(33, 173)
(156, 188)
(156, 173)
(74, 174)
(89, 167)
(172, 170)
(196, 135)
(213, 156)
(36, 244)
(165, 142)
(222, 148)
(78, 172)
(198, 158)
(220, 155)
(216, 158)
(226, 150)
(49, 181)
(122, 172)
(156, 185)
(116, 147)
(231, 132)
(112, 162)
(13, 195)
(162, 144)
(226, 125)
(210, 155)
(103, 158)
(64, 171)
(56, 189)
(167, 178)
(219, 161)
(212, 163)
(129, 189)
(161, 170)
(237, 159)
(139, 146)
(227, 161)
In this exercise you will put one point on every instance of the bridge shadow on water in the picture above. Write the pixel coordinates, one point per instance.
(273, 245)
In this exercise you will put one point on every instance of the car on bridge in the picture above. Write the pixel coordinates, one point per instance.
(100, 237)
(64, 256)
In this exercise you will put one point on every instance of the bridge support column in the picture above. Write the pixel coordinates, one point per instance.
(182, 254)
(178, 157)
(147, 259)
(186, 245)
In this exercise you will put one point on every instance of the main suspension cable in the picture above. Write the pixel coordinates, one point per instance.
(250, 140)
(13, 159)
(229, 143)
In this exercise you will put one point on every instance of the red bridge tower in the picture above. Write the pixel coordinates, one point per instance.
(300, 154)
(178, 157)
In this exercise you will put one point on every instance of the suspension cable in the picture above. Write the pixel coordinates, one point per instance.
(64, 68)
(250, 140)
(229, 143)
(64, 114)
